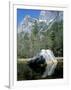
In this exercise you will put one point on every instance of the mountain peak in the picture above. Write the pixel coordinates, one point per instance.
(43, 16)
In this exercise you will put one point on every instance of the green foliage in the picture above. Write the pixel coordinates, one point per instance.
(30, 45)
(35, 28)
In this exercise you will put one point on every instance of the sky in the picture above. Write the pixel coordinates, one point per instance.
(21, 13)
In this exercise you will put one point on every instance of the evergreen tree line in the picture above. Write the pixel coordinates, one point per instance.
(41, 37)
